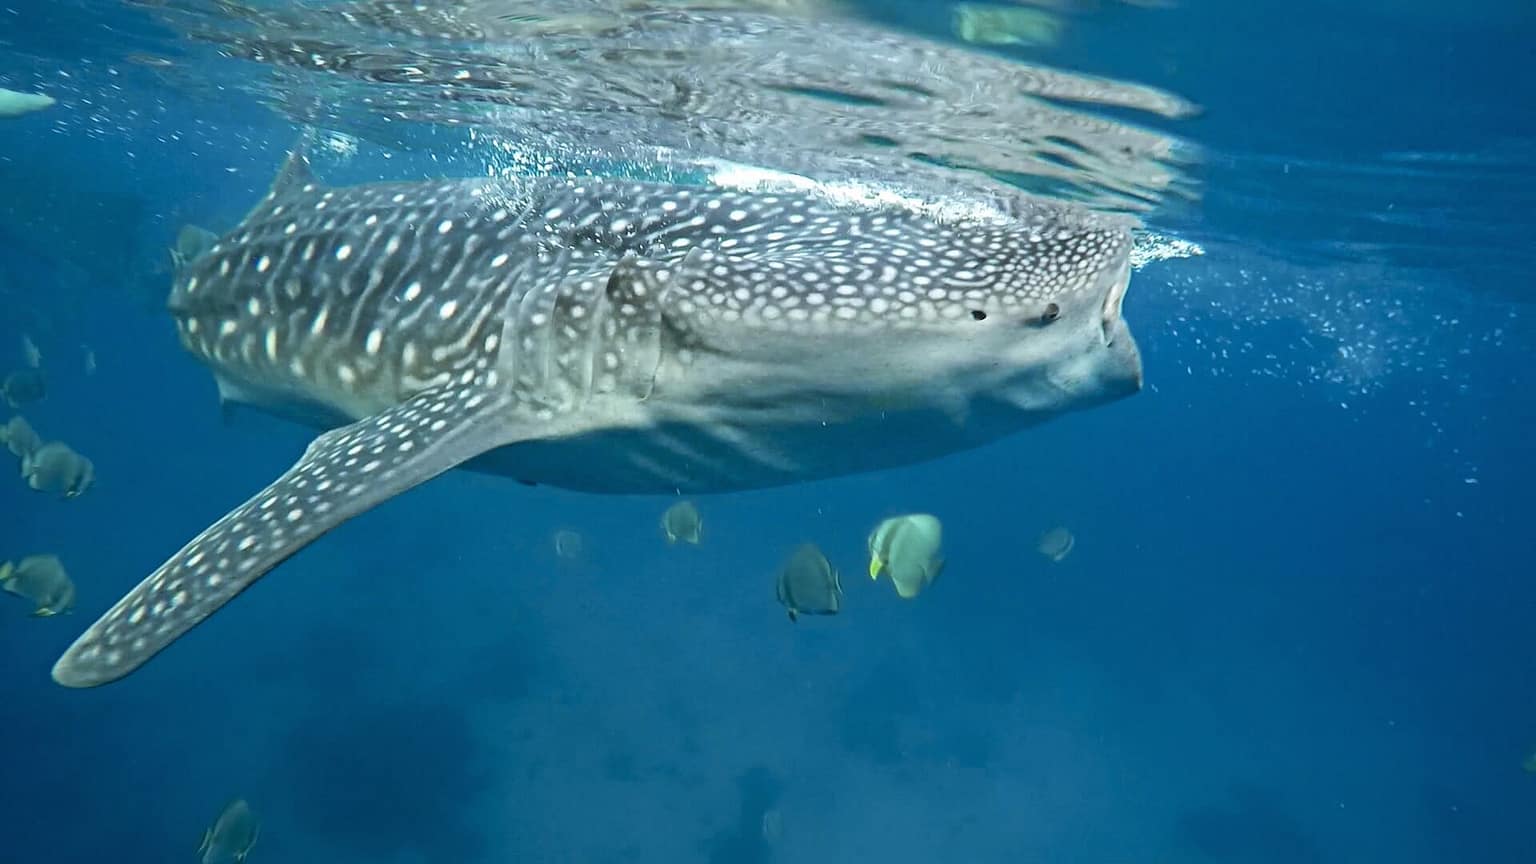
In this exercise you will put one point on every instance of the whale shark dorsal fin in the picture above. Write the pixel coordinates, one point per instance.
(342, 473)
(296, 172)
(294, 175)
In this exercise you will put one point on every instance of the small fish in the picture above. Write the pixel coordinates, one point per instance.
(1056, 544)
(41, 579)
(773, 827)
(144, 59)
(19, 437)
(14, 104)
(989, 24)
(568, 544)
(30, 352)
(232, 836)
(808, 584)
(90, 359)
(24, 386)
(56, 468)
(907, 549)
(683, 522)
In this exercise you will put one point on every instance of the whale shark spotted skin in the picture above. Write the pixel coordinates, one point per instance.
(616, 337)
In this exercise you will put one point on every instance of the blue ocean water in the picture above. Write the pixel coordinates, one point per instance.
(1295, 626)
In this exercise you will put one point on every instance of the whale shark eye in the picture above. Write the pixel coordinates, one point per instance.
(979, 314)
(1051, 313)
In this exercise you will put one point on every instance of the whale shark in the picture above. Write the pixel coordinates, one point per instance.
(615, 336)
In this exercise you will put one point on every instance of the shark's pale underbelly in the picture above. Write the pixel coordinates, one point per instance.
(721, 455)
(691, 459)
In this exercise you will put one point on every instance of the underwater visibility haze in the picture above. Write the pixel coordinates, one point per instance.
(747, 431)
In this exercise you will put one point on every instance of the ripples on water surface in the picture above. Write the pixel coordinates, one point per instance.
(691, 89)
(785, 85)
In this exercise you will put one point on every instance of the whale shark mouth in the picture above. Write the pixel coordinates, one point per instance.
(1113, 300)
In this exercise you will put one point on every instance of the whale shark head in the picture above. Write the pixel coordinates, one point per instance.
(901, 309)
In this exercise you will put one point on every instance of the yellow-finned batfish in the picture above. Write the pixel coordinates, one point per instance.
(907, 549)
(41, 579)
(19, 437)
(773, 827)
(568, 544)
(58, 469)
(232, 836)
(24, 386)
(1056, 544)
(683, 522)
(808, 584)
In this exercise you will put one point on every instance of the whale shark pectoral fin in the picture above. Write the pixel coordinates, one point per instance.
(343, 473)
(192, 243)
